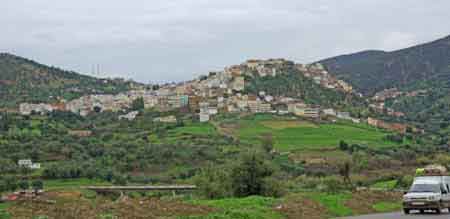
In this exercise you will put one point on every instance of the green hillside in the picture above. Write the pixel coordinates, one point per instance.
(423, 67)
(26, 80)
(372, 71)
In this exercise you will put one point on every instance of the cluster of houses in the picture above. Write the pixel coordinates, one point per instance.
(209, 95)
(378, 100)
(320, 76)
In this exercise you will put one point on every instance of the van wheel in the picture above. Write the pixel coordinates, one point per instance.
(406, 211)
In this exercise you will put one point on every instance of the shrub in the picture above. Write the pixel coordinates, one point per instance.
(24, 185)
(343, 146)
(272, 187)
(213, 182)
(249, 174)
(333, 184)
(307, 182)
(404, 181)
(37, 185)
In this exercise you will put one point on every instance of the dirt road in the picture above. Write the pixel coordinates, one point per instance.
(400, 215)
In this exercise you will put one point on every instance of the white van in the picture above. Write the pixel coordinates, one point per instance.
(428, 193)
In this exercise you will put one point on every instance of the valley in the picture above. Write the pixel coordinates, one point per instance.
(267, 138)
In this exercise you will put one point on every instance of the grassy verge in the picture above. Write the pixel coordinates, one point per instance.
(3, 213)
(335, 203)
(387, 206)
(385, 185)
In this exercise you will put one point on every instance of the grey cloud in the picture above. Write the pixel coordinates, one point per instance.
(162, 40)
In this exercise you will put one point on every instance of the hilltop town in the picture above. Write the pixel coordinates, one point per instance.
(222, 91)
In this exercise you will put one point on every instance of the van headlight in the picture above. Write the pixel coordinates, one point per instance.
(406, 199)
(433, 198)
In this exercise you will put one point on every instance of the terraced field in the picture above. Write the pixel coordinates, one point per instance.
(292, 134)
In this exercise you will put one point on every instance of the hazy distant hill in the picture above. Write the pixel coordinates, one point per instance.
(26, 80)
(371, 71)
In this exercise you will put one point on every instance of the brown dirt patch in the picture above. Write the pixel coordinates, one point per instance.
(72, 206)
(362, 201)
(301, 208)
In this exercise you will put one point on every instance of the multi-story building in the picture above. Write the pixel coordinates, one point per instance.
(238, 84)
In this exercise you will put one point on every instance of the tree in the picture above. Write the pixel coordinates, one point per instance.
(24, 184)
(138, 104)
(249, 174)
(345, 170)
(267, 142)
(119, 179)
(10, 183)
(213, 182)
(37, 185)
(343, 145)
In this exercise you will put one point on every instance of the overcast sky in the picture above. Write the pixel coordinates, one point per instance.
(174, 40)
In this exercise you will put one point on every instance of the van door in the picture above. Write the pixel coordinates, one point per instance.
(445, 197)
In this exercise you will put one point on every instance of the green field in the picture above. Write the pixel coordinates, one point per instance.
(289, 134)
(3, 213)
(186, 132)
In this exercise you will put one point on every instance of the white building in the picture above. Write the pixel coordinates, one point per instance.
(329, 112)
(129, 116)
(28, 108)
(29, 164)
(204, 117)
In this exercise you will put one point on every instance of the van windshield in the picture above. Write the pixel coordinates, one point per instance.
(435, 188)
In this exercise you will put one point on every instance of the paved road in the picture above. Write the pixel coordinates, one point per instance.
(400, 215)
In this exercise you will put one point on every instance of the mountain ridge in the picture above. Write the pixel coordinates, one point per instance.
(25, 80)
(374, 70)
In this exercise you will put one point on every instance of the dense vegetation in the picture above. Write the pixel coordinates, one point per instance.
(292, 83)
(225, 166)
(23, 80)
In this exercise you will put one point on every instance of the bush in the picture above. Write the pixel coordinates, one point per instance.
(213, 183)
(24, 185)
(249, 174)
(398, 138)
(307, 182)
(333, 184)
(37, 185)
(119, 180)
(89, 194)
(273, 187)
(404, 182)
(343, 146)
